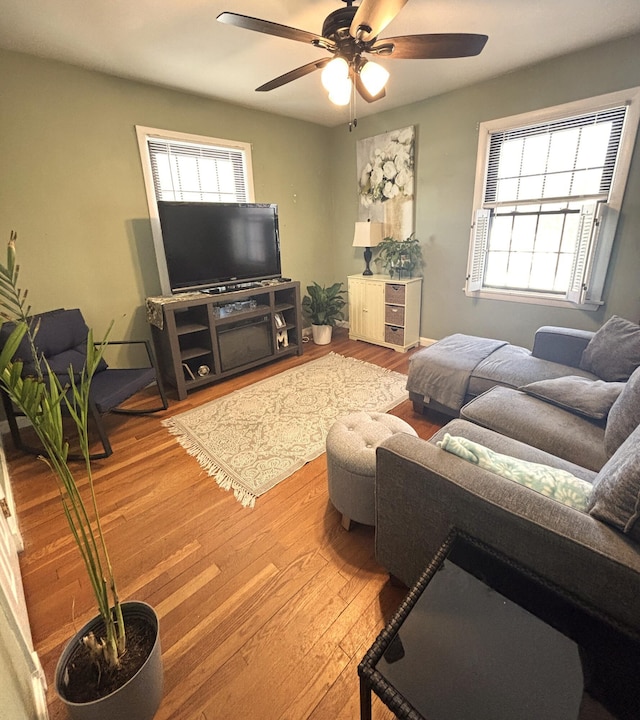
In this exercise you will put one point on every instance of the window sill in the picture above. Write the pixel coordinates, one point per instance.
(531, 299)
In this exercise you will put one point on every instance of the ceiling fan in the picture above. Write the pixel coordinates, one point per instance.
(348, 34)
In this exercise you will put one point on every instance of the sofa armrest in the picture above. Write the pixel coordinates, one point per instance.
(561, 345)
(422, 492)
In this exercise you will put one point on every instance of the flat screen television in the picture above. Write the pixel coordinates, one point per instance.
(208, 245)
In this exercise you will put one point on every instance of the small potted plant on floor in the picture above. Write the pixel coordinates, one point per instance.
(400, 257)
(112, 668)
(323, 306)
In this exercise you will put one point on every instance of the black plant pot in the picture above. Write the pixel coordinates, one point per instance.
(140, 696)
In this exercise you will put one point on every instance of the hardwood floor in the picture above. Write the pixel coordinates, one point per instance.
(264, 613)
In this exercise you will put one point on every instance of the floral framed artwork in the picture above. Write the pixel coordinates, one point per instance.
(385, 165)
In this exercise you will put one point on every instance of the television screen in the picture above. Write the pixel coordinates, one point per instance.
(210, 244)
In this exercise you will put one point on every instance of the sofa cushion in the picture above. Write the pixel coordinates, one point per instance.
(590, 398)
(616, 489)
(541, 424)
(513, 366)
(624, 415)
(551, 482)
(614, 351)
(508, 446)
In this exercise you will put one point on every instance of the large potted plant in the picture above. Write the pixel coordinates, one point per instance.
(112, 667)
(400, 257)
(323, 306)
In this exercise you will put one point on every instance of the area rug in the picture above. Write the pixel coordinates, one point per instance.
(253, 438)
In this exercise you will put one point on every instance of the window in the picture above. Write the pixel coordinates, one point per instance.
(191, 168)
(194, 168)
(549, 187)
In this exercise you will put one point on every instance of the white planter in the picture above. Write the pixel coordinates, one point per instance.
(321, 334)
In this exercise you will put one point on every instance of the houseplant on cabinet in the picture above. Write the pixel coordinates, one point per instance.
(113, 666)
(401, 257)
(323, 306)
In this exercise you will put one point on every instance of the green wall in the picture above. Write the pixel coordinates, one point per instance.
(447, 139)
(72, 186)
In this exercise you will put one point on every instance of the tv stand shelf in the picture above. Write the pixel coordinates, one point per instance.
(200, 338)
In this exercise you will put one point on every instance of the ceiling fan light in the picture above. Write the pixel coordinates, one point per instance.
(334, 73)
(340, 94)
(374, 77)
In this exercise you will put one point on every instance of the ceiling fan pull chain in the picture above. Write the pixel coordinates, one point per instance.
(353, 120)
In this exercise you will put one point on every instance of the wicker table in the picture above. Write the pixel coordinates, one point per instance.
(459, 648)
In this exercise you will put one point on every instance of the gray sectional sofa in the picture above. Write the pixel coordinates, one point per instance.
(585, 423)
(449, 373)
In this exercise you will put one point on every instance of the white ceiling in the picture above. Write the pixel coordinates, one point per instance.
(179, 44)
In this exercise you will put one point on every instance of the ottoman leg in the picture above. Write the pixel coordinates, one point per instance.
(346, 523)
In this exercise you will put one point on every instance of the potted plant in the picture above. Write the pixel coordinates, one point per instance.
(400, 257)
(112, 667)
(323, 306)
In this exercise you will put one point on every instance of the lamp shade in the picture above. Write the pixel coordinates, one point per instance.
(374, 77)
(367, 234)
(334, 73)
(341, 92)
(335, 78)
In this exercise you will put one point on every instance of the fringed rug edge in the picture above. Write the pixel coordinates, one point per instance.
(227, 482)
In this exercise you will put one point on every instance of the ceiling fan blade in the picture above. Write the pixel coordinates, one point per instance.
(375, 15)
(293, 75)
(269, 28)
(365, 94)
(433, 46)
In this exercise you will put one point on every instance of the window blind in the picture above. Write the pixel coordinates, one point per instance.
(196, 172)
(560, 159)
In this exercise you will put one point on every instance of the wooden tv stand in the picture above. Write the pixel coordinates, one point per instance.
(201, 338)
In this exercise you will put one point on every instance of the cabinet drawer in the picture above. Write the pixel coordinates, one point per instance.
(394, 335)
(394, 314)
(394, 293)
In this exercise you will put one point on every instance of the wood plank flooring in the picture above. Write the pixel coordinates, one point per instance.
(264, 613)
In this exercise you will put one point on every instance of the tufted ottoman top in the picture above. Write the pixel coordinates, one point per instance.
(352, 439)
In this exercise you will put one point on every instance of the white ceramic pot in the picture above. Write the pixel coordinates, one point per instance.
(321, 334)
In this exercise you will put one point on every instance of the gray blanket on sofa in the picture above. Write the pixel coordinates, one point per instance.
(441, 371)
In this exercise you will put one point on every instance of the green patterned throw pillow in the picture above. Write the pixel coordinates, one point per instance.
(556, 484)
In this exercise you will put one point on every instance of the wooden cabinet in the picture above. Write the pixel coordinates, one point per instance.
(200, 338)
(366, 309)
(385, 311)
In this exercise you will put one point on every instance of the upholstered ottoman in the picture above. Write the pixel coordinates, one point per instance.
(351, 462)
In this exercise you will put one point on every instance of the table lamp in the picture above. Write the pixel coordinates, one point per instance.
(367, 235)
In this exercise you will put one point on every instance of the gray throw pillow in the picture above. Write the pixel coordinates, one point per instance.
(590, 398)
(624, 415)
(613, 353)
(615, 498)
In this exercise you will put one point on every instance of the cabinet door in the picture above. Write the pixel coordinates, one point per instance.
(366, 309)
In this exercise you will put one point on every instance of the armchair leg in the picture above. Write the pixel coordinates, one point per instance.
(102, 434)
(11, 420)
(163, 400)
(14, 428)
(20, 445)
